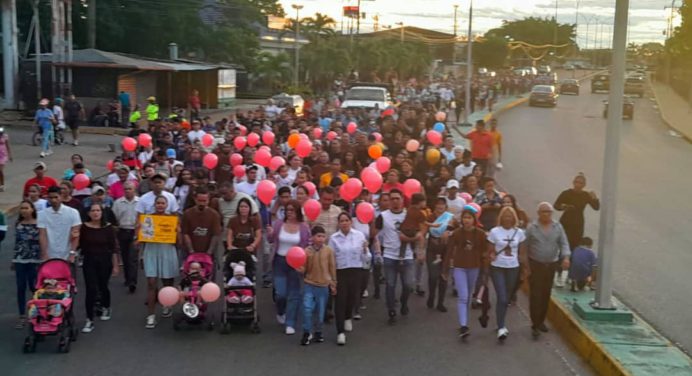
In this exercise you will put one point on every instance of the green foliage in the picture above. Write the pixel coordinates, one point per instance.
(535, 30)
(679, 46)
(491, 52)
(272, 70)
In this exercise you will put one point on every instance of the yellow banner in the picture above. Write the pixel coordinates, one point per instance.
(158, 229)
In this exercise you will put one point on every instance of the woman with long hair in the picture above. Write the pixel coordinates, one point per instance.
(243, 237)
(27, 256)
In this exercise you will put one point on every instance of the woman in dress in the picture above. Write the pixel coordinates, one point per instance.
(5, 156)
(26, 256)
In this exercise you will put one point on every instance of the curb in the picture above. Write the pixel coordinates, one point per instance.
(664, 118)
(84, 130)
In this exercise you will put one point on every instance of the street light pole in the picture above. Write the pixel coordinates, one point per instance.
(469, 66)
(401, 28)
(296, 62)
(454, 45)
(606, 234)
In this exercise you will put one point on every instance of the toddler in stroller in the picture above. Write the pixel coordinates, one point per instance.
(239, 279)
(197, 270)
(241, 305)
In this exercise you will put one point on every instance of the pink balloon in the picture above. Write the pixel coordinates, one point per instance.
(210, 292)
(266, 189)
(304, 148)
(129, 144)
(276, 162)
(168, 296)
(80, 181)
(144, 139)
(210, 161)
(235, 159)
(331, 135)
(477, 207)
(378, 136)
(352, 187)
(466, 196)
(207, 140)
(268, 137)
(310, 187)
(383, 164)
(317, 133)
(412, 146)
(303, 136)
(239, 171)
(365, 212)
(243, 130)
(372, 179)
(434, 137)
(240, 142)
(263, 158)
(411, 186)
(253, 139)
(352, 127)
(265, 147)
(296, 257)
(109, 165)
(440, 116)
(312, 209)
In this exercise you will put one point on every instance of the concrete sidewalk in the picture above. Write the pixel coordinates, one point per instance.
(675, 110)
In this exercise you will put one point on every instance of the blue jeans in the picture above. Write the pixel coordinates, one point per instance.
(504, 280)
(404, 270)
(26, 279)
(48, 137)
(464, 281)
(314, 300)
(286, 290)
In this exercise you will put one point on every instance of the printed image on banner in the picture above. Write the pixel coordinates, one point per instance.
(158, 229)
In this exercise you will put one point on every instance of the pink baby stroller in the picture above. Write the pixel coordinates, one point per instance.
(194, 310)
(50, 310)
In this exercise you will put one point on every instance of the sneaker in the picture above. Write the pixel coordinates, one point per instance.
(430, 303)
(290, 331)
(404, 310)
(266, 284)
(542, 328)
(365, 294)
(318, 337)
(377, 295)
(502, 334)
(341, 339)
(2, 188)
(75, 143)
(392, 317)
(88, 327)
(42, 155)
(151, 322)
(307, 337)
(419, 291)
(49, 152)
(464, 332)
(441, 308)
(132, 288)
(348, 325)
(357, 316)
(105, 314)
(484, 321)
(534, 332)
(166, 312)
(281, 319)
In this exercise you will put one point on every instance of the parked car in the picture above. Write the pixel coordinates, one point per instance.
(627, 109)
(568, 67)
(569, 86)
(634, 85)
(367, 96)
(600, 82)
(290, 100)
(543, 95)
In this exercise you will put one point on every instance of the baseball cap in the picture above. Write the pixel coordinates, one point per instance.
(124, 168)
(98, 189)
(452, 184)
(160, 175)
(39, 165)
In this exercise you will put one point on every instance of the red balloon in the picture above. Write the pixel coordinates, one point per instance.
(352, 127)
(276, 162)
(265, 147)
(80, 181)
(243, 130)
(383, 164)
(312, 209)
(129, 144)
(352, 188)
(296, 257)
(411, 186)
(378, 136)
(311, 188)
(263, 157)
(365, 212)
(412, 146)
(388, 112)
(266, 189)
(144, 139)
(372, 179)
(440, 116)
(109, 165)
(331, 135)
(304, 148)
(317, 132)
(434, 137)
(235, 159)
(240, 142)
(253, 139)
(239, 171)
(210, 161)
(268, 137)
(207, 140)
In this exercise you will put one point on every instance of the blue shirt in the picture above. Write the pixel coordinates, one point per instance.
(583, 262)
(124, 99)
(43, 118)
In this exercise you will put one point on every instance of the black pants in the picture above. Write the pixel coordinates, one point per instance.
(376, 277)
(435, 283)
(363, 281)
(540, 284)
(482, 284)
(347, 290)
(129, 255)
(97, 270)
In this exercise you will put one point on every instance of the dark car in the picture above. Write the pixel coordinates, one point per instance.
(627, 109)
(569, 86)
(634, 85)
(543, 95)
(600, 82)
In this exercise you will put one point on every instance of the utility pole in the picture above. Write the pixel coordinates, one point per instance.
(606, 234)
(91, 23)
(10, 52)
(454, 45)
(555, 31)
(69, 49)
(576, 24)
(469, 66)
(358, 21)
(37, 46)
(401, 28)
(296, 63)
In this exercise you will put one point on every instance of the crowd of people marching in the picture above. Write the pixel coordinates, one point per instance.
(370, 199)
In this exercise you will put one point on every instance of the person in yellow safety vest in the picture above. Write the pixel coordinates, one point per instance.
(152, 109)
(135, 115)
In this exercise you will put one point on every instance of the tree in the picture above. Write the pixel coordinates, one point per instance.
(535, 31)
(272, 70)
(679, 46)
(319, 26)
(491, 52)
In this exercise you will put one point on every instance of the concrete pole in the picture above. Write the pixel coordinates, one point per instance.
(469, 66)
(454, 46)
(296, 55)
(37, 45)
(91, 23)
(54, 49)
(69, 44)
(9, 52)
(606, 234)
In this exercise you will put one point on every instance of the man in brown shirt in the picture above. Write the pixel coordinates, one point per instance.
(201, 225)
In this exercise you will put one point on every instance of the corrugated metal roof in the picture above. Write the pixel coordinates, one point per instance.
(104, 59)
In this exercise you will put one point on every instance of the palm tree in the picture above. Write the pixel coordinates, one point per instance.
(318, 26)
(273, 70)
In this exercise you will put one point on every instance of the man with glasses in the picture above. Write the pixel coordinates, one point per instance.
(125, 213)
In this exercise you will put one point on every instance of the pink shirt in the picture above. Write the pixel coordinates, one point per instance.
(117, 190)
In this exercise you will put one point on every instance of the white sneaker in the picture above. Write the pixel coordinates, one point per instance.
(166, 312)
(559, 281)
(50, 152)
(106, 314)
(88, 327)
(341, 339)
(348, 325)
(365, 294)
(151, 322)
(75, 143)
(281, 319)
(502, 334)
(42, 155)
(290, 331)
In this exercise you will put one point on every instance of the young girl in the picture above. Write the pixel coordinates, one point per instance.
(5, 156)
(34, 196)
(26, 256)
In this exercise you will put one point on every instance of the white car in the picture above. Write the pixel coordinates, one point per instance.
(367, 97)
(290, 100)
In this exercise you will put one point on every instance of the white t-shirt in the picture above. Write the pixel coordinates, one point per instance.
(249, 189)
(287, 240)
(58, 226)
(501, 238)
(195, 135)
(145, 157)
(460, 171)
(40, 204)
(389, 234)
(146, 203)
(455, 206)
(113, 178)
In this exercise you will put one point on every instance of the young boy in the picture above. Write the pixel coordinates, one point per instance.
(320, 280)
(582, 266)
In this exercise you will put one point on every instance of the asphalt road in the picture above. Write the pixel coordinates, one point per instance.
(545, 147)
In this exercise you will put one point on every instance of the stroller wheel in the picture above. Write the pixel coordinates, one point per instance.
(210, 325)
(64, 344)
(29, 344)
